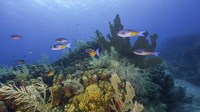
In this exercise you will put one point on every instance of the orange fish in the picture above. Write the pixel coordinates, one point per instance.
(50, 74)
(16, 37)
(93, 53)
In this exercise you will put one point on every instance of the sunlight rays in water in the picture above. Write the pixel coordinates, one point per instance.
(85, 4)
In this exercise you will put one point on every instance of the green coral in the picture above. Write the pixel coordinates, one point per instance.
(106, 60)
(125, 69)
(22, 74)
(5, 70)
(44, 59)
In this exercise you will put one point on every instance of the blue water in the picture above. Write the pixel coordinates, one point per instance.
(40, 22)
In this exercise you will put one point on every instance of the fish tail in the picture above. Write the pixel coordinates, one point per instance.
(156, 53)
(97, 52)
(141, 33)
(69, 45)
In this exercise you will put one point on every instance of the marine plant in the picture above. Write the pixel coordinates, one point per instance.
(106, 60)
(22, 74)
(28, 98)
(5, 70)
(44, 59)
(136, 76)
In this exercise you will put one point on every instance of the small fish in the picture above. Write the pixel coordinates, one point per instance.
(30, 52)
(16, 37)
(60, 46)
(20, 61)
(61, 40)
(50, 74)
(130, 33)
(93, 53)
(145, 53)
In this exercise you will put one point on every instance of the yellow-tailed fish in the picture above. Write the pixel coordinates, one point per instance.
(130, 33)
(60, 46)
(145, 53)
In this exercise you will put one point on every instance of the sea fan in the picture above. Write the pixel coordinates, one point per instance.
(28, 97)
(126, 104)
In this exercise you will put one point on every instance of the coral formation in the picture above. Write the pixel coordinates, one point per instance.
(123, 45)
(32, 97)
(97, 97)
(118, 104)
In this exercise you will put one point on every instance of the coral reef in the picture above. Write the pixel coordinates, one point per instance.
(98, 97)
(117, 81)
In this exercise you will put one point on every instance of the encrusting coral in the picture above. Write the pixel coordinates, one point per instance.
(99, 96)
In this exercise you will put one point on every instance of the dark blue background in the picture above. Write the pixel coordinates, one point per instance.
(40, 22)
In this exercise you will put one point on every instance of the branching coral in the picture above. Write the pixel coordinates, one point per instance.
(44, 59)
(106, 60)
(32, 97)
(126, 70)
(5, 70)
(22, 74)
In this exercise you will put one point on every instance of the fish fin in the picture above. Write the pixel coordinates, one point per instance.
(133, 33)
(69, 45)
(97, 52)
(141, 33)
(156, 53)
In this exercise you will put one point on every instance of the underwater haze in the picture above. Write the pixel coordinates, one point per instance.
(40, 22)
(99, 56)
